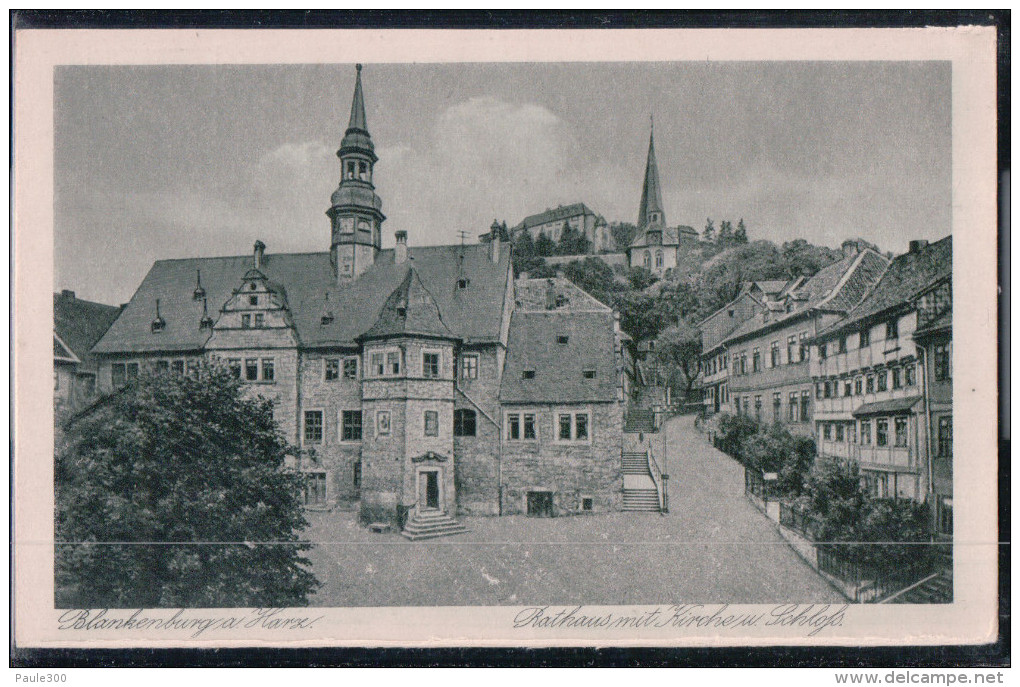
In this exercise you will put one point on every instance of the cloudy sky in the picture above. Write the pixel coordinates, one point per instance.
(171, 161)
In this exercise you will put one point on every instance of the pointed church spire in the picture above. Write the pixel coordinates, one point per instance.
(650, 211)
(358, 120)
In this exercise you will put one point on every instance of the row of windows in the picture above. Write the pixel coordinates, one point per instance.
(867, 384)
(797, 351)
(256, 321)
(250, 369)
(841, 432)
(658, 260)
(350, 428)
(839, 345)
(798, 408)
(122, 373)
(570, 426)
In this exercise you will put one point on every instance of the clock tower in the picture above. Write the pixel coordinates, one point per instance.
(355, 214)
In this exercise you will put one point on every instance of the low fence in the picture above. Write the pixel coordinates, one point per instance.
(862, 578)
(756, 485)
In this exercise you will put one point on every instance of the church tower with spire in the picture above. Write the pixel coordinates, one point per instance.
(355, 214)
(650, 213)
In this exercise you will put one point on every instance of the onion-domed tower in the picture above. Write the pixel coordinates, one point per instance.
(356, 213)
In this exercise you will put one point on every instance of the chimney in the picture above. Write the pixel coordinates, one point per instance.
(400, 252)
(260, 254)
(494, 242)
(850, 247)
(917, 245)
(67, 293)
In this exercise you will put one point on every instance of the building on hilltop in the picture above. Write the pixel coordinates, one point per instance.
(419, 383)
(768, 375)
(882, 380)
(77, 326)
(577, 216)
(656, 247)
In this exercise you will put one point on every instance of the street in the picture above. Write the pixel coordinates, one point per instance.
(713, 547)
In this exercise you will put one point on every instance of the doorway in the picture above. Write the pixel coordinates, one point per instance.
(428, 489)
(540, 504)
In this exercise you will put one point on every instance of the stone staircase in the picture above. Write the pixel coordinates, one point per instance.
(430, 524)
(937, 589)
(639, 420)
(639, 492)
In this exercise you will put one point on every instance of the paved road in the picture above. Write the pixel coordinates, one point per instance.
(713, 547)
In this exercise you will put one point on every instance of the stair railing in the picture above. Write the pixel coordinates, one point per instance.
(659, 478)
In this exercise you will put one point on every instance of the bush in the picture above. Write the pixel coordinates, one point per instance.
(733, 430)
(152, 477)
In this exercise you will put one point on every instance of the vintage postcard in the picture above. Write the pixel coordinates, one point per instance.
(505, 338)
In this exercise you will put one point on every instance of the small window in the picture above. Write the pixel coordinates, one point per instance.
(865, 337)
(792, 413)
(565, 427)
(943, 363)
(805, 406)
(529, 426)
(313, 426)
(431, 423)
(821, 351)
(350, 425)
(869, 384)
(901, 431)
(462, 283)
(858, 386)
(908, 376)
(513, 427)
(430, 365)
(563, 340)
(260, 320)
(866, 432)
(588, 374)
(350, 368)
(378, 364)
(581, 427)
(842, 344)
(469, 367)
(332, 367)
(251, 369)
(118, 374)
(883, 380)
(162, 366)
(586, 504)
(892, 329)
(251, 286)
(132, 371)
(234, 364)
(827, 431)
(464, 422)
(253, 300)
(268, 370)
(393, 363)
(528, 374)
(848, 388)
(178, 368)
(839, 431)
(382, 422)
(897, 381)
(245, 321)
(882, 432)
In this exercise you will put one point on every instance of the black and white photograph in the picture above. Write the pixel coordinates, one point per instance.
(617, 343)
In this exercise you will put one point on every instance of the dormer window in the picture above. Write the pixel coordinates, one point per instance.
(588, 374)
(158, 324)
(252, 286)
(528, 374)
(462, 283)
(327, 319)
(563, 340)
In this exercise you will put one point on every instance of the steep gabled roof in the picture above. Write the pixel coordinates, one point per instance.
(80, 324)
(561, 212)
(473, 313)
(409, 311)
(906, 276)
(833, 288)
(559, 367)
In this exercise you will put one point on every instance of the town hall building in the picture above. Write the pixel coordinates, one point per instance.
(419, 382)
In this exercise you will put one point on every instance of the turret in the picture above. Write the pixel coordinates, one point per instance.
(356, 210)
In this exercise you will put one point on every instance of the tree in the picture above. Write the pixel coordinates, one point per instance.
(678, 351)
(572, 241)
(593, 276)
(641, 278)
(172, 459)
(545, 247)
(709, 234)
(623, 234)
(535, 267)
(804, 259)
(740, 235)
(524, 246)
(725, 232)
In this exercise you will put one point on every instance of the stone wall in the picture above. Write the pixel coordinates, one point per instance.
(571, 471)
